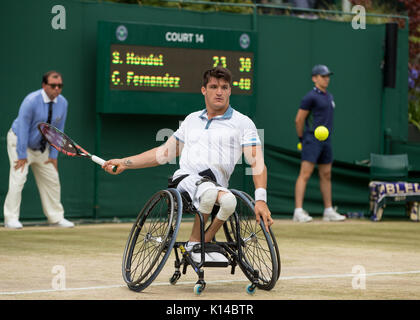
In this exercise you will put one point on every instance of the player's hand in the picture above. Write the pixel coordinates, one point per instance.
(110, 164)
(262, 211)
(53, 161)
(20, 164)
(299, 145)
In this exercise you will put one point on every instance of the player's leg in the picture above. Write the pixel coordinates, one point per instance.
(208, 198)
(227, 203)
(48, 182)
(195, 233)
(324, 171)
(324, 168)
(17, 179)
(311, 150)
(207, 195)
(306, 170)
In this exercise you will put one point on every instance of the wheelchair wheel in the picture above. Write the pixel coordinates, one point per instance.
(151, 239)
(273, 238)
(256, 250)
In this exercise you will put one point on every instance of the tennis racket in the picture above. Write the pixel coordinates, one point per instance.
(60, 141)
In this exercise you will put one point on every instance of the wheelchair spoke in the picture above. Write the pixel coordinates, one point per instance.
(258, 253)
(144, 264)
(151, 239)
(261, 259)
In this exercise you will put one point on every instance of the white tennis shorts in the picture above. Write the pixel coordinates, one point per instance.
(189, 185)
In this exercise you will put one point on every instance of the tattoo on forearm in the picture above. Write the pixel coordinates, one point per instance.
(128, 163)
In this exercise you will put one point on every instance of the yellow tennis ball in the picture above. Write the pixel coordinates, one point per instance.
(321, 133)
(299, 146)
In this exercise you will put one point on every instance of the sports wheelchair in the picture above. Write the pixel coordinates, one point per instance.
(154, 233)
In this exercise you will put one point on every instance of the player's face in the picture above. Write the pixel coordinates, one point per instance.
(54, 87)
(216, 95)
(321, 82)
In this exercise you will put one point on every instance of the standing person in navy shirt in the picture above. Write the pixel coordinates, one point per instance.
(26, 147)
(316, 109)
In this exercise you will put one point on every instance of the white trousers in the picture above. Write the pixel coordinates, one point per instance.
(46, 177)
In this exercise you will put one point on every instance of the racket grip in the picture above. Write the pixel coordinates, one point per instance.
(101, 162)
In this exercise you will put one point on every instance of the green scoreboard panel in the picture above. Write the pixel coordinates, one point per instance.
(158, 69)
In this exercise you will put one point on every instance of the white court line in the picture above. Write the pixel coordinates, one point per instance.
(346, 275)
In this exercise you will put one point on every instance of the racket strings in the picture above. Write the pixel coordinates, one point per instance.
(60, 141)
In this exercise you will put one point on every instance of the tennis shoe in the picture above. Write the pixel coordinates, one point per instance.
(333, 215)
(208, 256)
(64, 223)
(216, 257)
(301, 216)
(13, 224)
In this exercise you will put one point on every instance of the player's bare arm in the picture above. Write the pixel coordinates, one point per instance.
(254, 157)
(300, 121)
(154, 157)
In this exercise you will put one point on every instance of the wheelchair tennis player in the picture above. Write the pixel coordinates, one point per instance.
(209, 142)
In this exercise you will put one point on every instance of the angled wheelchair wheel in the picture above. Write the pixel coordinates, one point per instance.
(151, 239)
(273, 238)
(257, 254)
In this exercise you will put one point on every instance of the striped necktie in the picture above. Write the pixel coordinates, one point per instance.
(43, 141)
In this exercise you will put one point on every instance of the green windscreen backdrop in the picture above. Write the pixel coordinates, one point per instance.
(286, 49)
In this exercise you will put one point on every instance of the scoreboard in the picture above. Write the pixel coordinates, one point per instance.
(158, 69)
(174, 69)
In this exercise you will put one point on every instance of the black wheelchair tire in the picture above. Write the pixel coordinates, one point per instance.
(162, 250)
(268, 277)
(273, 238)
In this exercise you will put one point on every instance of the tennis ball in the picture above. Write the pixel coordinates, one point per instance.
(321, 133)
(299, 146)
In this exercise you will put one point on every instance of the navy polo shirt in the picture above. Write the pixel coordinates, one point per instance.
(321, 106)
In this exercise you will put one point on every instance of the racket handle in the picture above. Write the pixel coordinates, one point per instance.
(101, 162)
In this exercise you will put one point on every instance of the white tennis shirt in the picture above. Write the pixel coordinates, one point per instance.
(215, 144)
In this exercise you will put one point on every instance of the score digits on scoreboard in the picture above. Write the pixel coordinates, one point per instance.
(168, 69)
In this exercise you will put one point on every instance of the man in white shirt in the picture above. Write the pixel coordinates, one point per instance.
(210, 143)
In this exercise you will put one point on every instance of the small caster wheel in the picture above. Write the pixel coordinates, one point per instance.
(174, 279)
(250, 289)
(199, 288)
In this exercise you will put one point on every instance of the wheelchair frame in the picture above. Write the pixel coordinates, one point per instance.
(148, 250)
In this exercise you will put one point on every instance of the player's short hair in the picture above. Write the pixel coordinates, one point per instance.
(218, 73)
(53, 73)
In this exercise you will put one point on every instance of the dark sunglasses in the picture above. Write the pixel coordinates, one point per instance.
(55, 85)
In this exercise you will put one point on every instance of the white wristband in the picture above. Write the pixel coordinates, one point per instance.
(261, 194)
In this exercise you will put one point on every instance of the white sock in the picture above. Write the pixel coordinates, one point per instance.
(298, 210)
(190, 244)
(328, 210)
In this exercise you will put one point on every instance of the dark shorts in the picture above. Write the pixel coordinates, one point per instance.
(316, 151)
